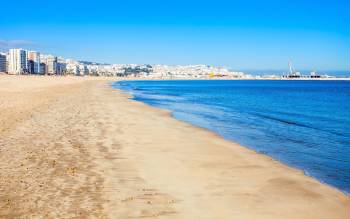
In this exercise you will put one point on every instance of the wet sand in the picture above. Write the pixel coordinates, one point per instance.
(75, 148)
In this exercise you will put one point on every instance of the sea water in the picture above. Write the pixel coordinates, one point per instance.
(304, 124)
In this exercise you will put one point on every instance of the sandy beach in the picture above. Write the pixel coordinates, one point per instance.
(73, 147)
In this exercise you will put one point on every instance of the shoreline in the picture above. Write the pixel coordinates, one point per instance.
(217, 135)
(168, 113)
(105, 155)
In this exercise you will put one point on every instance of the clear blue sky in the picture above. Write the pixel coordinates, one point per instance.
(243, 34)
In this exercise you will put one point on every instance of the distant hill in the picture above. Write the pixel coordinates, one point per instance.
(92, 63)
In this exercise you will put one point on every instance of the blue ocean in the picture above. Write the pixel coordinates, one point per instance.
(304, 124)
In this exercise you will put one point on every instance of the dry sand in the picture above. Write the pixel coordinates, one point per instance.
(75, 148)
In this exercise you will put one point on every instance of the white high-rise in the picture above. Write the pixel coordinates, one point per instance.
(17, 61)
(34, 62)
(51, 64)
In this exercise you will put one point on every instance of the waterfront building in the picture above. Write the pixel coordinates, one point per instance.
(43, 69)
(51, 64)
(73, 69)
(33, 62)
(83, 70)
(30, 66)
(61, 66)
(43, 66)
(17, 62)
(3, 63)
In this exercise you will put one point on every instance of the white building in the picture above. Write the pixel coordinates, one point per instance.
(73, 69)
(17, 61)
(51, 64)
(34, 62)
(83, 70)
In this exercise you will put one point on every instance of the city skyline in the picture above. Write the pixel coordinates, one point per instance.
(239, 35)
(18, 61)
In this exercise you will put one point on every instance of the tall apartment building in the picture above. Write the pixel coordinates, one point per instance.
(34, 62)
(17, 61)
(61, 66)
(3, 63)
(43, 66)
(43, 69)
(50, 64)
